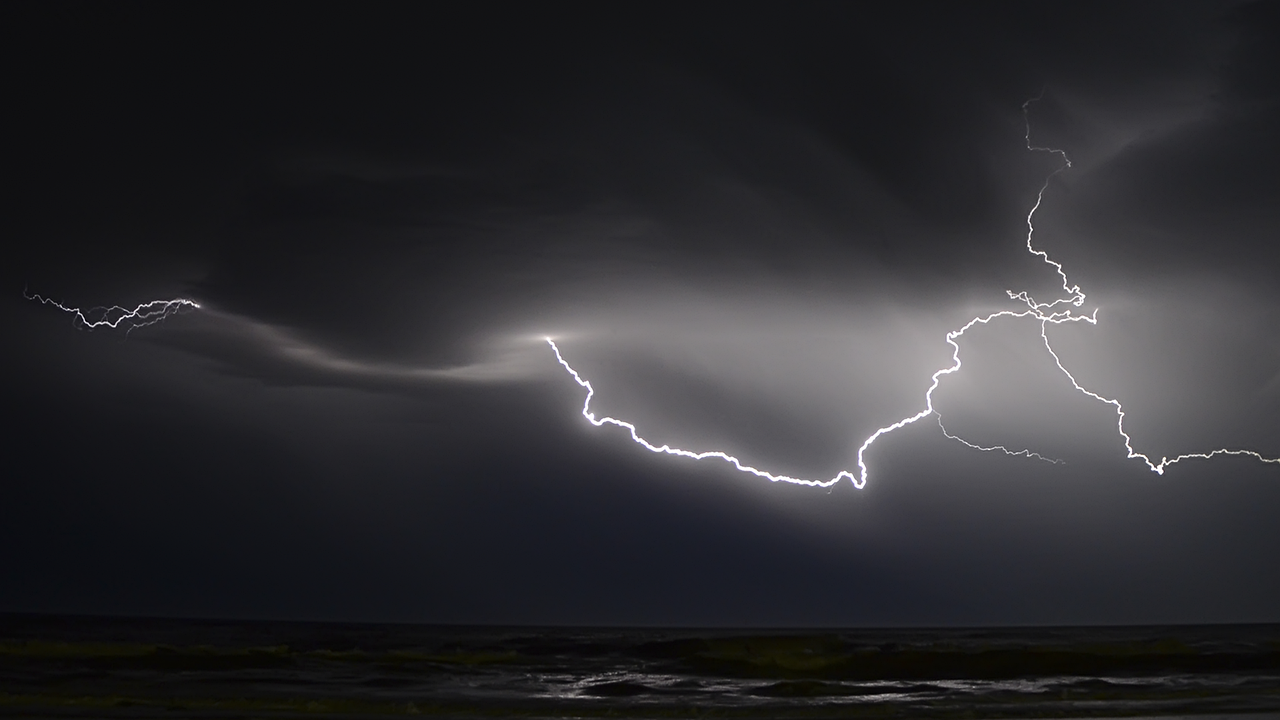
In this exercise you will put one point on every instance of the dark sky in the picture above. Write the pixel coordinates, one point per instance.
(750, 228)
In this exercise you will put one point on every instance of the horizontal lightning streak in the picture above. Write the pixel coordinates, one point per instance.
(148, 313)
(992, 448)
(1044, 312)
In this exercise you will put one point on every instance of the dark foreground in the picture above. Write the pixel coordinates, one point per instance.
(92, 667)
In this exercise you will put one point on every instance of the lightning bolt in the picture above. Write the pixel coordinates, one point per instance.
(1046, 313)
(148, 313)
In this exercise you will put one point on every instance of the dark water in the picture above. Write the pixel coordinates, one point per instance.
(93, 667)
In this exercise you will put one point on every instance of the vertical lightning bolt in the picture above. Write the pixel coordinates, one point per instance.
(148, 313)
(1055, 312)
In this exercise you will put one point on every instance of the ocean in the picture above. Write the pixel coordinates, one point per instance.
(55, 667)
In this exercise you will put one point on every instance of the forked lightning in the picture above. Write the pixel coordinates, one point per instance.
(1045, 312)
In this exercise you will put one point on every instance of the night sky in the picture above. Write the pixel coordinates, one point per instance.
(750, 228)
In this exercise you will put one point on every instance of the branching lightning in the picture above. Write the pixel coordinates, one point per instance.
(148, 313)
(1064, 309)
(1046, 313)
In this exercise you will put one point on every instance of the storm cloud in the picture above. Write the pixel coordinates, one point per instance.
(750, 228)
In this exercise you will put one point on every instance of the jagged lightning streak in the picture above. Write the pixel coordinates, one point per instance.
(1044, 312)
(1012, 453)
(148, 313)
(591, 417)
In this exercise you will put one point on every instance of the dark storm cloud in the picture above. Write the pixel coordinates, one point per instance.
(751, 228)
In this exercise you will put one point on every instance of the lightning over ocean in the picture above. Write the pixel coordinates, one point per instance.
(715, 319)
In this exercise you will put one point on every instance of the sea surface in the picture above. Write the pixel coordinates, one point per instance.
(98, 667)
